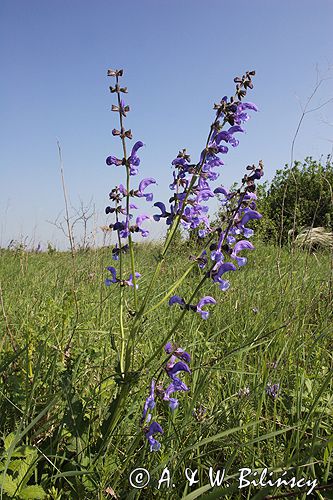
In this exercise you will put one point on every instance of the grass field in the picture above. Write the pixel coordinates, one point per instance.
(60, 436)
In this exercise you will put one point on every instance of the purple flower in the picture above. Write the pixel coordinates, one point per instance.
(180, 366)
(247, 105)
(273, 390)
(114, 279)
(250, 215)
(134, 160)
(175, 299)
(129, 282)
(112, 160)
(176, 385)
(177, 351)
(117, 251)
(204, 301)
(154, 428)
(149, 403)
(241, 245)
(173, 403)
(142, 186)
(164, 214)
(216, 275)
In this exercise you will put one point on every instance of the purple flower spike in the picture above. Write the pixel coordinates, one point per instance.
(204, 301)
(154, 428)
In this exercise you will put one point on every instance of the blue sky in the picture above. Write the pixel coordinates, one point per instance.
(179, 57)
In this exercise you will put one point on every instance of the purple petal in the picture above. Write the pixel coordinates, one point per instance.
(241, 245)
(247, 105)
(249, 215)
(241, 261)
(178, 367)
(224, 285)
(175, 299)
(222, 136)
(221, 190)
(168, 348)
(122, 189)
(112, 160)
(154, 428)
(135, 148)
(146, 182)
(173, 403)
(140, 219)
(226, 267)
(205, 300)
(113, 272)
(235, 128)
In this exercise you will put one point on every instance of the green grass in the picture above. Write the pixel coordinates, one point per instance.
(61, 410)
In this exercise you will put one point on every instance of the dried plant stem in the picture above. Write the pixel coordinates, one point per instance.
(72, 247)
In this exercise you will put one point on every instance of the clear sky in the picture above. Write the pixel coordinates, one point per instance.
(179, 57)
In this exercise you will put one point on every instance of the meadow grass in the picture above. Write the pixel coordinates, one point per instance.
(274, 326)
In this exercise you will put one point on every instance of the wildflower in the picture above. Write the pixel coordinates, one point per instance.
(177, 351)
(178, 367)
(134, 160)
(176, 385)
(239, 246)
(164, 214)
(273, 390)
(204, 301)
(216, 275)
(149, 403)
(249, 215)
(114, 278)
(142, 186)
(153, 429)
(112, 160)
(176, 299)
(117, 251)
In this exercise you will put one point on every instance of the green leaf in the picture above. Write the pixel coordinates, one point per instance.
(8, 440)
(32, 492)
(8, 484)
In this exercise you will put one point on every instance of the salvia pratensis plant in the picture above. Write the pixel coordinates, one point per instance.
(225, 245)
